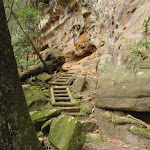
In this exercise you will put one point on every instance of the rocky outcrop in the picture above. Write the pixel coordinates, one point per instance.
(40, 117)
(35, 98)
(78, 28)
(122, 89)
(96, 35)
(123, 127)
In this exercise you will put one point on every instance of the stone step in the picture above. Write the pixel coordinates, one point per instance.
(69, 72)
(65, 104)
(59, 91)
(66, 75)
(69, 109)
(61, 95)
(59, 83)
(60, 87)
(57, 97)
(62, 99)
(64, 78)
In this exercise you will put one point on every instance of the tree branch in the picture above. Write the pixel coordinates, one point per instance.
(10, 10)
(35, 49)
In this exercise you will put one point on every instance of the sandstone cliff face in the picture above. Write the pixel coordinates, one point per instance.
(91, 33)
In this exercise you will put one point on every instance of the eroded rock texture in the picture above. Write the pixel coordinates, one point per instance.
(95, 29)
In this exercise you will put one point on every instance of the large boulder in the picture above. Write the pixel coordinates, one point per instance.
(39, 117)
(66, 133)
(121, 89)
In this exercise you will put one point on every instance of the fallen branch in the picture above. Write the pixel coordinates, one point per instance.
(54, 65)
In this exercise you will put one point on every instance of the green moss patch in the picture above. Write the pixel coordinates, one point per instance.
(76, 96)
(39, 117)
(107, 116)
(47, 93)
(43, 76)
(139, 131)
(90, 125)
(85, 108)
(34, 97)
(25, 86)
(122, 120)
(66, 133)
(94, 139)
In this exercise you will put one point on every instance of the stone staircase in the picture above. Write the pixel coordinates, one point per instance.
(61, 96)
(65, 79)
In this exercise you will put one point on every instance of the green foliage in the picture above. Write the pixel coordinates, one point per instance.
(122, 38)
(139, 131)
(28, 15)
(140, 52)
(145, 23)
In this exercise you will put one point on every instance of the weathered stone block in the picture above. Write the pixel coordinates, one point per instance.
(35, 98)
(121, 89)
(108, 126)
(66, 133)
(43, 76)
(79, 84)
(39, 117)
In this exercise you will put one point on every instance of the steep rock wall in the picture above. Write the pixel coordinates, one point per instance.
(91, 33)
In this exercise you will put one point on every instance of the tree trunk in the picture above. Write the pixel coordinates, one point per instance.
(16, 129)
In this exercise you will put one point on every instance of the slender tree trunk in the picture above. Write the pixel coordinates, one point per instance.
(36, 51)
(16, 129)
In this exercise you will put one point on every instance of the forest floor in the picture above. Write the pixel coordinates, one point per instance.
(108, 144)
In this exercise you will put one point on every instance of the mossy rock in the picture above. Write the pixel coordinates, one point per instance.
(94, 139)
(47, 93)
(26, 86)
(107, 116)
(39, 117)
(34, 97)
(66, 133)
(90, 125)
(44, 76)
(46, 126)
(81, 117)
(139, 131)
(125, 120)
(78, 101)
(122, 120)
(77, 96)
(85, 108)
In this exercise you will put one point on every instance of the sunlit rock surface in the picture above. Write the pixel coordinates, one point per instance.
(79, 28)
(66, 133)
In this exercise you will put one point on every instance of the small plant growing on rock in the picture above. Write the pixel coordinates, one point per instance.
(145, 24)
(140, 52)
